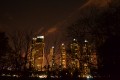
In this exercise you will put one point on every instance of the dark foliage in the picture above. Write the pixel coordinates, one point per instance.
(4, 50)
(110, 50)
(4, 47)
(104, 31)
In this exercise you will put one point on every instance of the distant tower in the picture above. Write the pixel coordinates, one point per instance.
(75, 49)
(32, 59)
(93, 59)
(63, 56)
(38, 53)
(86, 52)
(51, 56)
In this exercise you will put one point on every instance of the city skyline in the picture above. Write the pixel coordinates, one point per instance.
(60, 39)
(78, 57)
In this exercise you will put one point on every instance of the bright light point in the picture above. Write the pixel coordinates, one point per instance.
(38, 65)
(63, 60)
(39, 58)
(74, 39)
(62, 44)
(86, 41)
(52, 46)
(40, 37)
(34, 38)
(88, 77)
(42, 76)
(85, 64)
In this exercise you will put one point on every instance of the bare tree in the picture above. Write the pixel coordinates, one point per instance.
(17, 43)
(27, 48)
(56, 45)
(87, 28)
(5, 51)
(98, 29)
(21, 42)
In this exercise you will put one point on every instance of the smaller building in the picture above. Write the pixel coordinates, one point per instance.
(63, 56)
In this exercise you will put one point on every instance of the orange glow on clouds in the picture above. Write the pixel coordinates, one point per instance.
(96, 3)
(51, 30)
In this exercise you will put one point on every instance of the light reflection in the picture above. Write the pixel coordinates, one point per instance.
(42, 76)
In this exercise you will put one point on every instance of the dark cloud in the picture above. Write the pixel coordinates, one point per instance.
(40, 13)
(45, 14)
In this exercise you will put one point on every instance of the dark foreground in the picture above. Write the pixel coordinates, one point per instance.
(9, 75)
(65, 78)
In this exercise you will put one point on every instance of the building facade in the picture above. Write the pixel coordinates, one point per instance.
(63, 57)
(37, 53)
(80, 56)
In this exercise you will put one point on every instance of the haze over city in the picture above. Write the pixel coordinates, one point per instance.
(59, 39)
(45, 16)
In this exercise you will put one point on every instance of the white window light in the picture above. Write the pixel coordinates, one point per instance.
(40, 37)
(62, 44)
(74, 39)
(52, 46)
(34, 38)
(86, 41)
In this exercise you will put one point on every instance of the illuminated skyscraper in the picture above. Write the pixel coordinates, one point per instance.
(63, 56)
(85, 56)
(32, 59)
(51, 56)
(75, 50)
(38, 53)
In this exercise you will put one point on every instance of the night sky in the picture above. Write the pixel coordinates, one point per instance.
(41, 13)
(46, 17)
(36, 14)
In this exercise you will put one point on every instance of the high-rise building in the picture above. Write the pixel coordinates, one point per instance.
(37, 58)
(63, 57)
(75, 51)
(85, 57)
(80, 57)
(51, 56)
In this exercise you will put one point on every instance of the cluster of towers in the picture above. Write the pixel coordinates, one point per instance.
(77, 57)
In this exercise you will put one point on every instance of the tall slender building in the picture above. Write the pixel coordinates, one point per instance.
(86, 52)
(63, 57)
(75, 50)
(32, 59)
(38, 53)
(51, 56)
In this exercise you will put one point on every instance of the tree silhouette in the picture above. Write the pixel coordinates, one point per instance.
(5, 51)
(109, 51)
(103, 30)
(21, 42)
